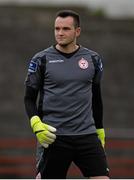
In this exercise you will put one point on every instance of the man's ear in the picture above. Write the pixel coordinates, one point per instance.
(78, 31)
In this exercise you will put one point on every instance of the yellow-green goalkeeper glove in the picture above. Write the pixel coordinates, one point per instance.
(44, 132)
(101, 136)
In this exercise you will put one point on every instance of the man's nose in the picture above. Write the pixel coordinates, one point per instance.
(60, 32)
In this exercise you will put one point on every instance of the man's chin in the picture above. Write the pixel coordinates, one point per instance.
(63, 44)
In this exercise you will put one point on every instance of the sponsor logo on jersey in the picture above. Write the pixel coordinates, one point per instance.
(83, 63)
(32, 67)
(56, 61)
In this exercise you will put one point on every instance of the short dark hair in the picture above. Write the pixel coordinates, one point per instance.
(66, 13)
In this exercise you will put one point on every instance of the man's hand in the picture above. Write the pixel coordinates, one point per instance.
(101, 136)
(44, 132)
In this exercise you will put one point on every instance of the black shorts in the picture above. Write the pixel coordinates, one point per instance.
(85, 151)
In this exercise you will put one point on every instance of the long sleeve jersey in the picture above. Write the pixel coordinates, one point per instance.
(68, 88)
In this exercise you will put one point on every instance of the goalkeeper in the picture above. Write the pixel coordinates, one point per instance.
(64, 104)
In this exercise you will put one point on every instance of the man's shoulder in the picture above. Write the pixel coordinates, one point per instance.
(96, 58)
(44, 52)
(91, 52)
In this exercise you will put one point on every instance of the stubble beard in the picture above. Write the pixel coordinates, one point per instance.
(64, 45)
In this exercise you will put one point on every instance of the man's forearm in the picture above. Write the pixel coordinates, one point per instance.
(30, 101)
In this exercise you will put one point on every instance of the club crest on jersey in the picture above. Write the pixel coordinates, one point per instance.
(83, 63)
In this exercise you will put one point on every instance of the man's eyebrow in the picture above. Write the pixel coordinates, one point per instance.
(65, 27)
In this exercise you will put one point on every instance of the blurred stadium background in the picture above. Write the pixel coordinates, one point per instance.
(26, 29)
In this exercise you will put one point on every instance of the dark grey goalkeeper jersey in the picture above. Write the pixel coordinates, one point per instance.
(65, 86)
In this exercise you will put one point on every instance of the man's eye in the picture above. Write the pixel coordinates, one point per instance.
(57, 28)
(66, 28)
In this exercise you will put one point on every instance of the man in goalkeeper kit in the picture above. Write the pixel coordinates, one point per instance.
(67, 119)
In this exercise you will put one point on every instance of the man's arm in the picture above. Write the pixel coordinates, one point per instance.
(97, 106)
(33, 83)
(30, 98)
(44, 133)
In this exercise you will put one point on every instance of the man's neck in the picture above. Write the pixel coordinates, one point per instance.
(67, 49)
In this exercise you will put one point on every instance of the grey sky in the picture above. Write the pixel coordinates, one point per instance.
(113, 8)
